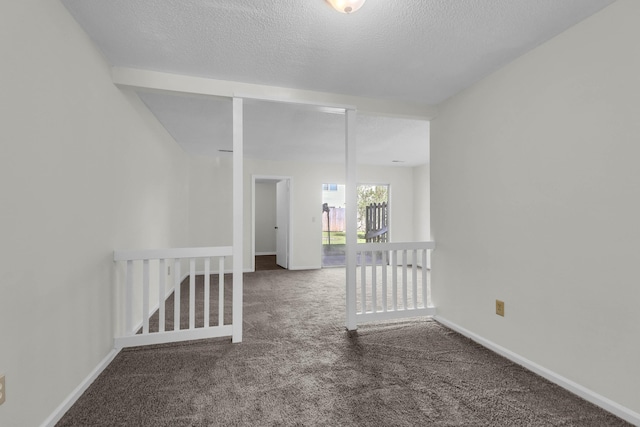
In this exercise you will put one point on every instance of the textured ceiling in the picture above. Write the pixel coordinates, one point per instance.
(418, 51)
(299, 133)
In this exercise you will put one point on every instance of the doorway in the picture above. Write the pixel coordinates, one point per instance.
(271, 222)
(333, 225)
(372, 217)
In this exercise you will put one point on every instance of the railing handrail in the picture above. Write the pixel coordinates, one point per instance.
(395, 246)
(173, 253)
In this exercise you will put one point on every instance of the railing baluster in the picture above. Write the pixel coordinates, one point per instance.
(424, 278)
(374, 284)
(363, 281)
(161, 294)
(176, 295)
(207, 290)
(192, 293)
(220, 291)
(145, 296)
(394, 278)
(128, 295)
(414, 277)
(384, 281)
(404, 280)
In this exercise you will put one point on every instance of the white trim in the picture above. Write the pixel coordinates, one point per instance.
(174, 336)
(324, 107)
(395, 246)
(264, 253)
(397, 314)
(274, 179)
(66, 404)
(156, 81)
(575, 388)
(173, 253)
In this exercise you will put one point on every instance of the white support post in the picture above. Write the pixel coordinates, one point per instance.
(238, 218)
(351, 216)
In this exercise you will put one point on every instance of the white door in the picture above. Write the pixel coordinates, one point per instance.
(282, 223)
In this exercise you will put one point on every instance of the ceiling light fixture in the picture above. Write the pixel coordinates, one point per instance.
(346, 6)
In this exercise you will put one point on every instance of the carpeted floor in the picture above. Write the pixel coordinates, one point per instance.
(298, 366)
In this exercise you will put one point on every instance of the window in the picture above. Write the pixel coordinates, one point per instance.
(329, 187)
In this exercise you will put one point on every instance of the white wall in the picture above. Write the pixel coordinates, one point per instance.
(84, 169)
(265, 199)
(210, 201)
(422, 203)
(306, 202)
(536, 201)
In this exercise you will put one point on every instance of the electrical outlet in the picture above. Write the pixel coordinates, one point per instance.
(2, 390)
(500, 308)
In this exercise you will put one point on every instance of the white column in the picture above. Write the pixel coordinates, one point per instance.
(238, 216)
(351, 216)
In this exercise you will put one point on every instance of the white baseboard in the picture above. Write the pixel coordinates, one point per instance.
(265, 253)
(82, 387)
(575, 388)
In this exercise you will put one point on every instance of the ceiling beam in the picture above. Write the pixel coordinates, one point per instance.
(146, 80)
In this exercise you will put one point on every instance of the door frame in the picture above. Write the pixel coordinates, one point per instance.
(274, 179)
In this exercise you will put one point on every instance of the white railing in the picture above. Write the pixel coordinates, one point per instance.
(146, 273)
(392, 281)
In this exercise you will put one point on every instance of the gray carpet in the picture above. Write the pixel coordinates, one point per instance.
(298, 366)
